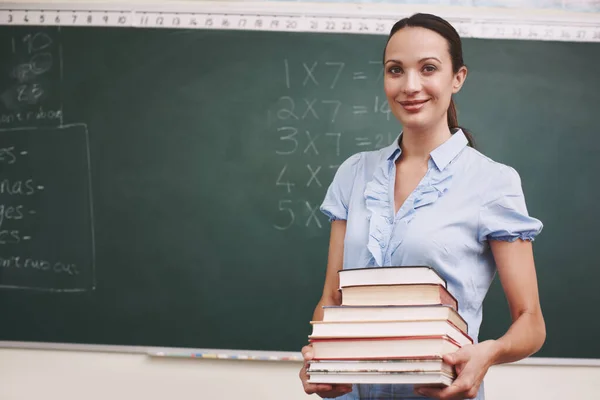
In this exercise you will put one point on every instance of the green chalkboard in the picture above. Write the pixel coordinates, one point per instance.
(161, 187)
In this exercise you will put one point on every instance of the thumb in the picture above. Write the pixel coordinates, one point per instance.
(459, 356)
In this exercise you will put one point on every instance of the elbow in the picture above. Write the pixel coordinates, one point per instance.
(333, 298)
(542, 336)
(539, 332)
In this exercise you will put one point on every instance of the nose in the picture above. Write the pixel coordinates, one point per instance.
(412, 83)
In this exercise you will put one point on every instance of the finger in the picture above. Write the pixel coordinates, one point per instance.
(321, 387)
(335, 393)
(460, 356)
(325, 387)
(342, 388)
(458, 389)
(303, 372)
(428, 392)
(307, 353)
(311, 388)
(327, 390)
(459, 369)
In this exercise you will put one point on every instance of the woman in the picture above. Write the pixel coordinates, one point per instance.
(431, 199)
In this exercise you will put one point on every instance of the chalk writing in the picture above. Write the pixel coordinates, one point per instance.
(34, 70)
(312, 216)
(382, 106)
(7, 155)
(10, 213)
(37, 63)
(18, 187)
(54, 267)
(290, 137)
(281, 182)
(311, 144)
(316, 124)
(288, 215)
(40, 114)
(9, 237)
(40, 240)
(313, 175)
(314, 73)
(288, 109)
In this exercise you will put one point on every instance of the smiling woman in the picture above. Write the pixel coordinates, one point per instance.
(431, 199)
(428, 67)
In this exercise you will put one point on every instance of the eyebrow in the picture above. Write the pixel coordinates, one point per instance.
(420, 61)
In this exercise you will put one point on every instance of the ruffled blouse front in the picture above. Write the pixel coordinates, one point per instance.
(379, 202)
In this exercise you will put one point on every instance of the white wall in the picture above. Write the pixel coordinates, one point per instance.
(77, 375)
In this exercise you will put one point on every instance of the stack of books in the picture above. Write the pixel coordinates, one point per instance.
(393, 327)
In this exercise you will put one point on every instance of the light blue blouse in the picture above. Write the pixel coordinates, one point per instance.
(464, 200)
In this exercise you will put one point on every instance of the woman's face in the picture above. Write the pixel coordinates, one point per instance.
(419, 81)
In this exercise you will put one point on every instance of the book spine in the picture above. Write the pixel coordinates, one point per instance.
(447, 299)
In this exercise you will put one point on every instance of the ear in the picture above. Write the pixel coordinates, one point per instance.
(459, 79)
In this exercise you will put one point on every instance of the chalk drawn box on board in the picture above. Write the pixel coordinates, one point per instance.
(46, 214)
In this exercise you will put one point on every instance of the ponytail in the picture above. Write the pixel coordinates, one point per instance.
(453, 123)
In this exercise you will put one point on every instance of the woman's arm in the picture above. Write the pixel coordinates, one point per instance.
(526, 335)
(516, 269)
(330, 296)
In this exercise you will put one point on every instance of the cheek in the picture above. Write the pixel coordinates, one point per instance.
(433, 89)
(439, 89)
(390, 87)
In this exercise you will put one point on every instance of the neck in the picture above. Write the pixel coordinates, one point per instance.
(418, 144)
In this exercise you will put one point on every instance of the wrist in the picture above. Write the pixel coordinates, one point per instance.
(496, 351)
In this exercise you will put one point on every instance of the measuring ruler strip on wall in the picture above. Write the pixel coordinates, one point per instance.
(479, 26)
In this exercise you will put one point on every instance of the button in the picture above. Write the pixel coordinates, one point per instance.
(381, 244)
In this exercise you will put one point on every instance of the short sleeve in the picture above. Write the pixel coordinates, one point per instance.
(503, 214)
(337, 198)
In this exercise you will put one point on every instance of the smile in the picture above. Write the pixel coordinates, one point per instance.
(413, 105)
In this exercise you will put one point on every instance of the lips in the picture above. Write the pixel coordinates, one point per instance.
(413, 105)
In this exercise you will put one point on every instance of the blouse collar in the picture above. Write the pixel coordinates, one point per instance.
(441, 155)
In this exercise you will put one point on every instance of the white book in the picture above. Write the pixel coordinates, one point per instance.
(383, 348)
(389, 276)
(364, 329)
(356, 366)
(403, 378)
(394, 313)
(398, 295)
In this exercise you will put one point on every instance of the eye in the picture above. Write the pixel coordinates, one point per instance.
(395, 70)
(429, 68)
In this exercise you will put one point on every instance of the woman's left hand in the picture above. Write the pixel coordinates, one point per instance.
(471, 363)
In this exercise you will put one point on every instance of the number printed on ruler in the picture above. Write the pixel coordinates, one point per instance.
(477, 27)
(65, 18)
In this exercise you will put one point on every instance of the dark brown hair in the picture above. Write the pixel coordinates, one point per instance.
(443, 28)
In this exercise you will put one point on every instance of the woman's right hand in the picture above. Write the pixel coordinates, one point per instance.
(321, 389)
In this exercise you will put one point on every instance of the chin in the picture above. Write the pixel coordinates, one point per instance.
(414, 123)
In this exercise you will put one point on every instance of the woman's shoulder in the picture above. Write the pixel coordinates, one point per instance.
(483, 164)
(490, 175)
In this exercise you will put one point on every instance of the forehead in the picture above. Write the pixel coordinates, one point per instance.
(414, 43)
